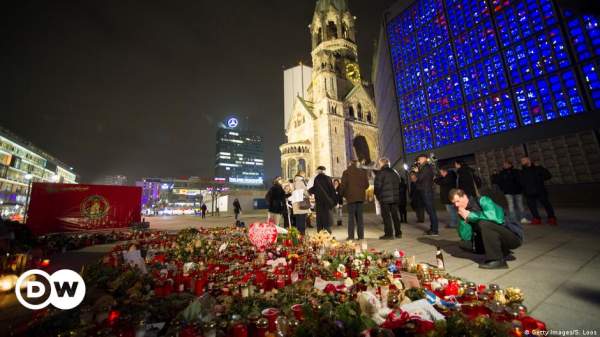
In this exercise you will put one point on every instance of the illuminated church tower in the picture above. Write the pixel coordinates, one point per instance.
(337, 121)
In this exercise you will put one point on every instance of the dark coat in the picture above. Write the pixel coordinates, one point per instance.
(403, 188)
(416, 201)
(354, 184)
(323, 191)
(425, 178)
(509, 181)
(237, 208)
(466, 180)
(387, 186)
(446, 184)
(338, 195)
(533, 178)
(276, 199)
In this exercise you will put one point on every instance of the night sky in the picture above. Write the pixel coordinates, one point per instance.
(138, 87)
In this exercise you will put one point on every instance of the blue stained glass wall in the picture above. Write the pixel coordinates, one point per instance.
(466, 69)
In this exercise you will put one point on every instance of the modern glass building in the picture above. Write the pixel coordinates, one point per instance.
(21, 164)
(491, 80)
(239, 156)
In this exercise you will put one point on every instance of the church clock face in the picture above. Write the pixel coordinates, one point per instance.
(352, 72)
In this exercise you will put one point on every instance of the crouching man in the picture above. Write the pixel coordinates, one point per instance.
(484, 217)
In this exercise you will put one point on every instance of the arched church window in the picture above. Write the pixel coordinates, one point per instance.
(292, 169)
(301, 165)
(345, 30)
(350, 112)
(331, 30)
(359, 112)
(369, 117)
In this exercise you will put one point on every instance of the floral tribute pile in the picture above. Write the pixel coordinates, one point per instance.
(215, 282)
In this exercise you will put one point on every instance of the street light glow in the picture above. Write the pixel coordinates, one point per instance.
(28, 176)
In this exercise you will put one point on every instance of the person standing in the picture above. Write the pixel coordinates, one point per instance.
(355, 182)
(340, 201)
(402, 201)
(447, 181)
(322, 189)
(203, 208)
(416, 203)
(387, 190)
(237, 209)
(425, 175)
(533, 179)
(300, 202)
(508, 180)
(467, 180)
(276, 201)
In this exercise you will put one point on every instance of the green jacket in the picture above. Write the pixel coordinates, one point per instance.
(490, 211)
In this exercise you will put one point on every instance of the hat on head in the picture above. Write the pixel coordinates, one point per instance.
(322, 168)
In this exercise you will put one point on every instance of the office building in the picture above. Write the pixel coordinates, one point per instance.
(22, 163)
(239, 156)
(118, 180)
(296, 81)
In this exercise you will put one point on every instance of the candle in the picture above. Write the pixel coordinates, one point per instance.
(271, 315)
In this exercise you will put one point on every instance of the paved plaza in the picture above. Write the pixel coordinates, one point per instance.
(557, 268)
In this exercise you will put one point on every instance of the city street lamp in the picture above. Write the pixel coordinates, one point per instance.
(29, 178)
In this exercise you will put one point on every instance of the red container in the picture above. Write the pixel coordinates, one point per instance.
(297, 310)
(271, 315)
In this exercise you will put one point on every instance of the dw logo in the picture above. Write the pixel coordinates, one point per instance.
(66, 289)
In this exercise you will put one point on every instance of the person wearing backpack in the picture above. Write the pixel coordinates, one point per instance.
(300, 202)
(484, 217)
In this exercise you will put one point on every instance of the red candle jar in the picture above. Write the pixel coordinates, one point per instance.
(280, 283)
(199, 287)
(297, 310)
(239, 329)
(262, 327)
(271, 315)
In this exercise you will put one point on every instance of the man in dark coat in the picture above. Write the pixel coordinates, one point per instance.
(416, 203)
(387, 191)
(325, 199)
(425, 175)
(276, 200)
(447, 181)
(403, 200)
(467, 180)
(532, 180)
(508, 180)
(354, 185)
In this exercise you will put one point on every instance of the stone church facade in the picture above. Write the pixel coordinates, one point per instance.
(337, 120)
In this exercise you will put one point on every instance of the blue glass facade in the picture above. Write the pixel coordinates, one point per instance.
(466, 69)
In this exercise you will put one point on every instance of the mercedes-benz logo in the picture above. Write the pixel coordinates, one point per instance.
(232, 122)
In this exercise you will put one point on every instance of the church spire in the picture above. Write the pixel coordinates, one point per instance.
(331, 21)
(324, 5)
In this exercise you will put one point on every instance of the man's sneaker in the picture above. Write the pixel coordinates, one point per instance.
(552, 221)
(386, 237)
(431, 233)
(536, 221)
(524, 221)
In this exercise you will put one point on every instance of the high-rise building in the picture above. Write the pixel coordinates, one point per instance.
(118, 180)
(489, 81)
(239, 156)
(21, 163)
(336, 120)
(296, 81)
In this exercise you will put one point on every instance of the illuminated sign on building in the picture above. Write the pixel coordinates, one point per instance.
(232, 122)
